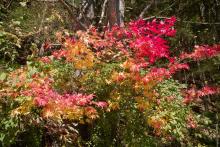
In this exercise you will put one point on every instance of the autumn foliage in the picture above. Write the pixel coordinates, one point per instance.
(107, 72)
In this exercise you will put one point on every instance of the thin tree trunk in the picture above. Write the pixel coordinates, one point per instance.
(115, 13)
(120, 13)
(111, 13)
(103, 12)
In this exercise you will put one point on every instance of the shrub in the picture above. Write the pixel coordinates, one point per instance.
(114, 88)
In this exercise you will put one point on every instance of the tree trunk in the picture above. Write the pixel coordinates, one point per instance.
(115, 13)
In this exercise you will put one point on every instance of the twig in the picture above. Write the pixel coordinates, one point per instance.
(152, 17)
(71, 13)
(191, 22)
(9, 4)
(204, 23)
(30, 34)
(145, 9)
(167, 8)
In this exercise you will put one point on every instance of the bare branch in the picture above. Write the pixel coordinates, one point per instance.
(103, 11)
(72, 14)
(202, 23)
(9, 4)
(191, 22)
(146, 9)
(166, 8)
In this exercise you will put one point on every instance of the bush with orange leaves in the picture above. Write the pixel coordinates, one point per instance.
(113, 85)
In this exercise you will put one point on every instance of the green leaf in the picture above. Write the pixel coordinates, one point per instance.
(3, 76)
